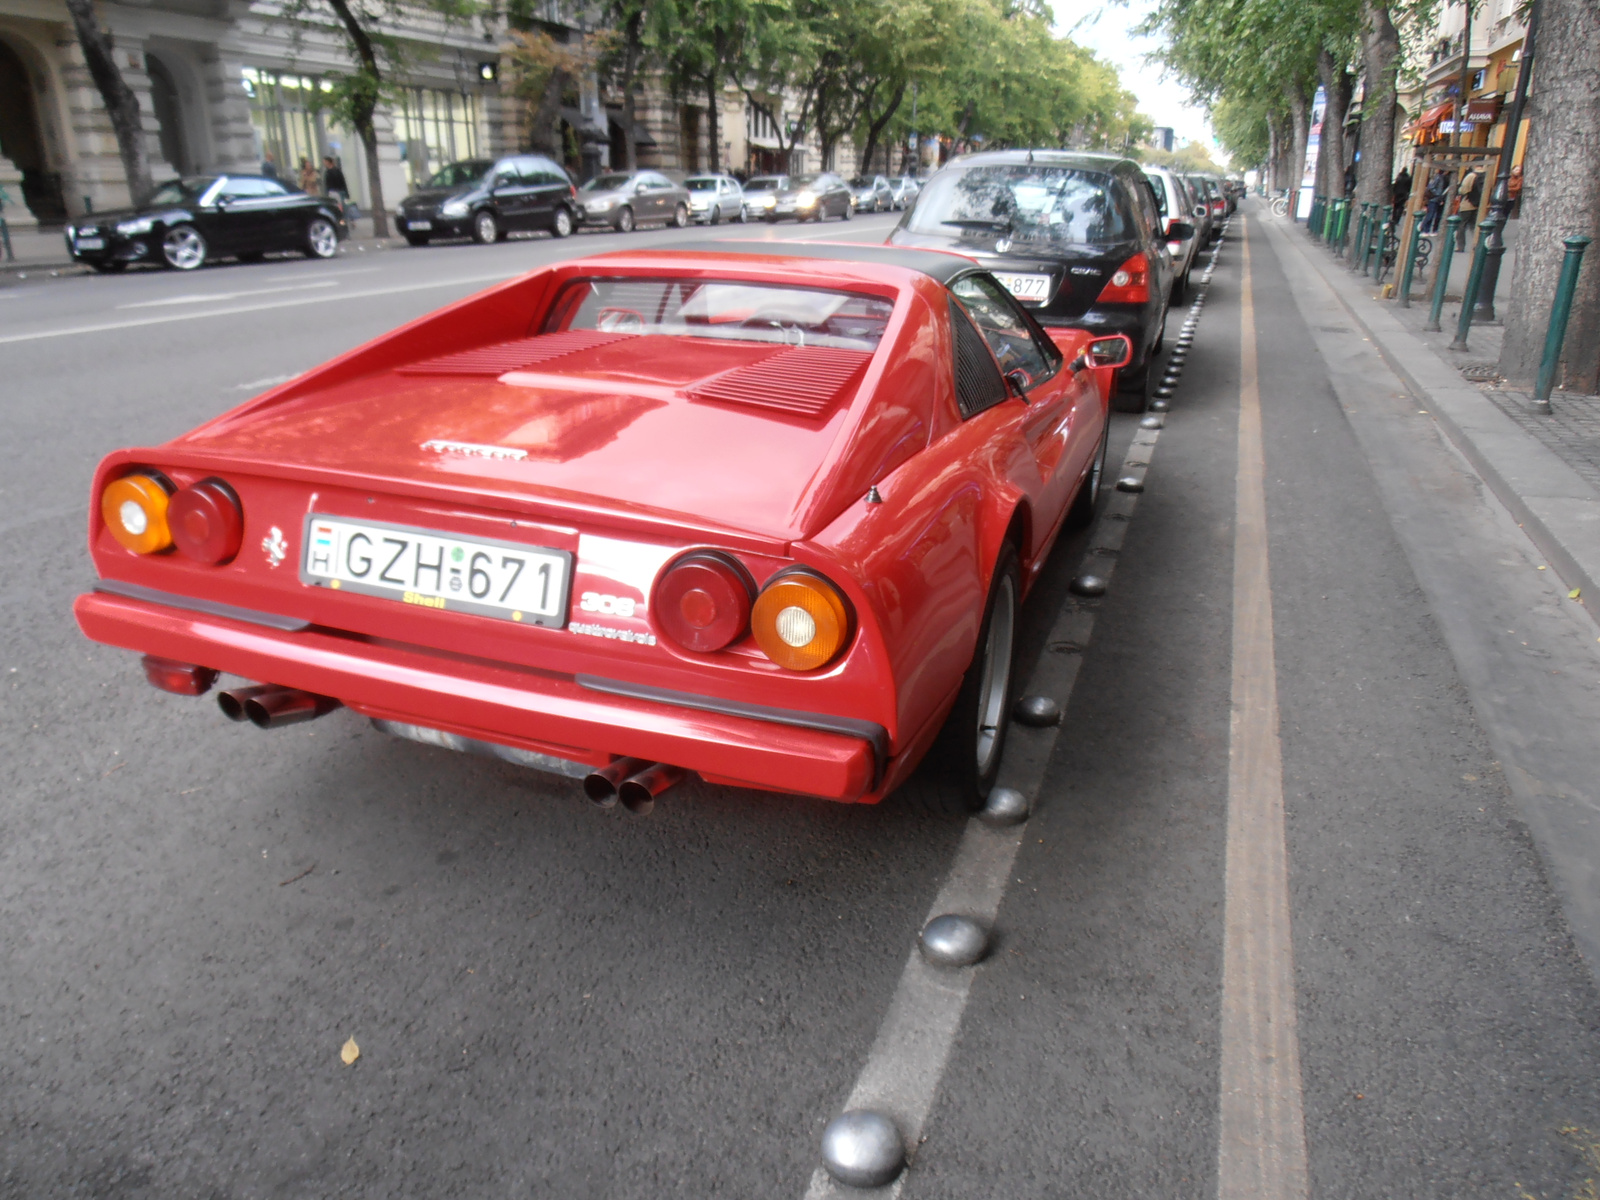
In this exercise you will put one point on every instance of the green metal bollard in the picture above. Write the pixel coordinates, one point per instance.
(1381, 240)
(1559, 312)
(1411, 261)
(1360, 240)
(1441, 273)
(1314, 222)
(1342, 237)
(1469, 298)
(1374, 248)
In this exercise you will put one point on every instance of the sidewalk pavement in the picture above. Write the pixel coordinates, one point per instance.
(45, 251)
(1545, 470)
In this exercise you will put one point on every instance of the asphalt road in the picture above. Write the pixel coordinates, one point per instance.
(554, 1001)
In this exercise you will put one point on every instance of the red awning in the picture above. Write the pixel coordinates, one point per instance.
(1436, 114)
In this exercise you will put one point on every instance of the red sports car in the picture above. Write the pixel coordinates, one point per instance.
(766, 517)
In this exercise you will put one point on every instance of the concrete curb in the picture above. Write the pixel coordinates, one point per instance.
(1554, 505)
(64, 264)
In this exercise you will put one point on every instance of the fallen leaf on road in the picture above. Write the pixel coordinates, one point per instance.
(349, 1052)
(1572, 595)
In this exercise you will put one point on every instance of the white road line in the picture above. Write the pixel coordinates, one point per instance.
(212, 297)
(170, 318)
(1262, 1142)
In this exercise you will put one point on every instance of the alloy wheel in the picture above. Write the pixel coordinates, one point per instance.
(563, 223)
(322, 239)
(485, 229)
(625, 221)
(184, 248)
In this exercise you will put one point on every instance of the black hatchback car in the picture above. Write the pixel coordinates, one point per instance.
(1076, 237)
(486, 199)
(185, 223)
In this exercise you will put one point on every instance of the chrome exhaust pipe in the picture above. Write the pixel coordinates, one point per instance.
(286, 706)
(638, 792)
(601, 785)
(233, 700)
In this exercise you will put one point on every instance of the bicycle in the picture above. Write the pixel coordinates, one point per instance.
(1280, 204)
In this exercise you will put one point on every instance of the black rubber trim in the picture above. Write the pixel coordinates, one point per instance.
(871, 732)
(212, 608)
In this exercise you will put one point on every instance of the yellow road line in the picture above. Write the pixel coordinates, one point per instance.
(1262, 1151)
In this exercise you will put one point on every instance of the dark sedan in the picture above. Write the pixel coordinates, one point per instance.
(185, 223)
(813, 198)
(1076, 237)
(486, 200)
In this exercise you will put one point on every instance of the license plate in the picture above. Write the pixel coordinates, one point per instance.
(91, 243)
(509, 580)
(419, 224)
(1025, 287)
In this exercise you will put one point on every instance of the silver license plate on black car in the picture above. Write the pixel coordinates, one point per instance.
(509, 580)
(419, 225)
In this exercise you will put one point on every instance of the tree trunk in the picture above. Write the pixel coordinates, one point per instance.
(1273, 154)
(1338, 86)
(875, 128)
(1560, 197)
(544, 126)
(122, 106)
(1300, 130)
(1381, 51)
(630, 68)
(368, 134)
(713, 120)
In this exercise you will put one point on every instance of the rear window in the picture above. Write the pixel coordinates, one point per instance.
(1040, 208)
(700, 185)
(723, 309)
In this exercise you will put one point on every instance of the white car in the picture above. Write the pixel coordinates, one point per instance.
(714, 199)
(1173, 202)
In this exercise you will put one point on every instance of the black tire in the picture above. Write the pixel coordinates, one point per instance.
(562, 224)
(184, 248)
(1133, 390)
(624, 221)
(1083, 504)
(716, 215)
(966, 757)
(485, 229)
(849, 211)
(680, 216)
(417, 239)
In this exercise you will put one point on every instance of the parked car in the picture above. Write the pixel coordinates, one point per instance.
(812, 198)
(1199, 211)
(714, 199)
(904, 189)
(186, 223)
(872, 193)
(761, 194)
(632, 516)
(487, 199)
(623, 200)
(1214, 201)
(1075, 236)
(1174, 204)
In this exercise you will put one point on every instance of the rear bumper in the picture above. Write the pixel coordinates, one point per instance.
(588, 721)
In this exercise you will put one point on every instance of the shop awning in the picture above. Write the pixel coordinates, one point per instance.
(1435, 114)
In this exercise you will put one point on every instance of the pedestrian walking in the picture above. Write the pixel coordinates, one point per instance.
(269, 165)
(333, 183)
(1468, 195)
(1400, 192)
(308, 178)
(1438, 189)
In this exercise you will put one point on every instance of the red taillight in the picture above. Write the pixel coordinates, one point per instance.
(703, 601)
(1130, 283)
(183, 679)
(206, 521)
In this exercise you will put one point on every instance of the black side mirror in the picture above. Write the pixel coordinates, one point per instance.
(1179, 231)
(1200, 211)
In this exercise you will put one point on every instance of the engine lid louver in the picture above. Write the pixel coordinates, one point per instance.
(515, 355)
(805, 380)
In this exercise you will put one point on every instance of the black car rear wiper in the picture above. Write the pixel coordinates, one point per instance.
(978, 223)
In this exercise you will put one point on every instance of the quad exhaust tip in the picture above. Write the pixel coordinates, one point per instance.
(635, 782)
(267, 706)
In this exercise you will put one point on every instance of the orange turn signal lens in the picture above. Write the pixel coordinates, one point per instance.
(800, 621)
(134, 509)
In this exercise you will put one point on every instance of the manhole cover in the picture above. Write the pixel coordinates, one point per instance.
(1481, 372)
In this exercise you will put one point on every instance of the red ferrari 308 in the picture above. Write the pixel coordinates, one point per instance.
(762, 516)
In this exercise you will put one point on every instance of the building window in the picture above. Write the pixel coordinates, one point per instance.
(434, 128)
(288, 124)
